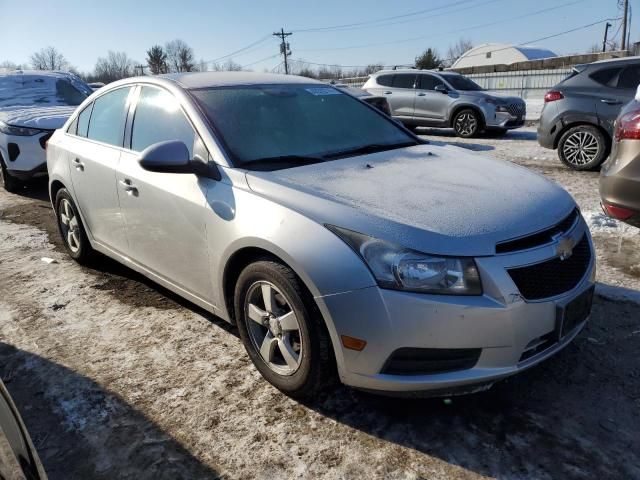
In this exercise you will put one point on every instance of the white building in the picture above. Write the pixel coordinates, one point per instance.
(500, 54)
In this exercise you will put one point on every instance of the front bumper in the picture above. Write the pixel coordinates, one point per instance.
(506, 120)
(25, 156)
(499, 323)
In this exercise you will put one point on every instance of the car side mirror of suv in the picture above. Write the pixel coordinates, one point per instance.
(441, 88)
(173, 157)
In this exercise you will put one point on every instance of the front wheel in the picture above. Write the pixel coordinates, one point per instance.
(281, 330)
(466, 123)
(583, 147)
(10, 183)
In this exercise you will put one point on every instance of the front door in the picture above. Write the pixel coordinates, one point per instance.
(165, 213)
(430, 104)
(94, 154)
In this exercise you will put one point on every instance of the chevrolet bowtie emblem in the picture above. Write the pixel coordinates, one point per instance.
(565, 248)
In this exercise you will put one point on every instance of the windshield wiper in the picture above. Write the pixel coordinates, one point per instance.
(369, 148)
(275, 162)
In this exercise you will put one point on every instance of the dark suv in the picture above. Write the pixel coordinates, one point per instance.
(580, 111)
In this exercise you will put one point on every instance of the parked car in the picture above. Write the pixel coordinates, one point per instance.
(376, 101)
(32, 105)
(330, 235)
(18, 458)
(620, 175)
(96, 85)
(425, 98)
(578, 114)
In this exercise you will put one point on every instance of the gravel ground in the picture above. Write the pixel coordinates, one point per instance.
(118, 378)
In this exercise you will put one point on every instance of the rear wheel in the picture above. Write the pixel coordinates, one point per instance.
(10, 183)
(583, 147)
(71, 228)
(281, 330)
(466, 123)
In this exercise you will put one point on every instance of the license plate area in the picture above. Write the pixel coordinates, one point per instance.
(573, 313)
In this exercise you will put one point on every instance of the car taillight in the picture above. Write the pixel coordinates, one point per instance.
(552, 96)
(628, 126)
(618, 213)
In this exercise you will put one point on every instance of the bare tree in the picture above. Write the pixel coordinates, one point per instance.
(114, 66)
(180, 57)
(455, 51)
(49, 59)
(228, 66)
(9, 65)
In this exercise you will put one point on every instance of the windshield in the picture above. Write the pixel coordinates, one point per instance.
(42, 90)
(278, 126)
(459, 82)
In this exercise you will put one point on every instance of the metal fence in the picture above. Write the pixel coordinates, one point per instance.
(525, 83)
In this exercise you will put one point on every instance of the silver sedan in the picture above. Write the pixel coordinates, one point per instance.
(340, 244)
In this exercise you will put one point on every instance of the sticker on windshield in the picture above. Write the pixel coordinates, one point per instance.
(323, 91)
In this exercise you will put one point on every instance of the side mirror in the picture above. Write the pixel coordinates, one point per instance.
(441, 88)
(173, 157)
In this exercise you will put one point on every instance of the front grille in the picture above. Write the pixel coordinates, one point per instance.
(553, 277)
(424, 361)
(540, 238)
(516, 109)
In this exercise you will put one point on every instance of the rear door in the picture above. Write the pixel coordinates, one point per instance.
(165, 213)
(399, 90)
(619, 91)
(430, 104)
(94, 154)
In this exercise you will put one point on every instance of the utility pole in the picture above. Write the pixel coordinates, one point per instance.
(606, 32)
(284, 47)
(624, 25)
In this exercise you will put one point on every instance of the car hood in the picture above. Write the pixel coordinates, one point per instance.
(480, 94)
(437, 199)
(47, 118)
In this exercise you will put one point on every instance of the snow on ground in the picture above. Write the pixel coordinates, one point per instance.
(534, 108)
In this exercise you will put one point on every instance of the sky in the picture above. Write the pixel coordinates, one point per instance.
(345, 32)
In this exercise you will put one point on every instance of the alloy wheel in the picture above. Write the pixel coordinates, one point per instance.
(273, 328)
(69, 224)
(466, 124)
(580, 148)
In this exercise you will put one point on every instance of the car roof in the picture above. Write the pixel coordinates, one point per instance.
(37, 73)
(618, 60)
(412, 70)
(193, 80)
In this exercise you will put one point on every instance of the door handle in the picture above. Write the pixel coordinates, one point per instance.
(610, 101)
(387, 92)
(421, 94)
(129, 187)
(78, 164)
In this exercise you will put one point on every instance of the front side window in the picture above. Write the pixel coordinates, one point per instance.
(159, 118)
(281, 126)
(630, 78)
(458, 82)
(404, 80)
(108, 117)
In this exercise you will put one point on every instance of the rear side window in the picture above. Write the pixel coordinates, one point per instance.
(606, 76)
(385, 80)
(83, 121)
(108, 117)
(630, 77)
(404, 80)
(159, 118)
(429, 82)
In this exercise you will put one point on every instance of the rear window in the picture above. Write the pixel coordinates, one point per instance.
(630, 77)
(606, 76)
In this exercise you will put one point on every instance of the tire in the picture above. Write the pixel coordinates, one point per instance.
(583, 147)
(71, 228)
(467, 123)
(10, 183)
(302, 333)
(498, 132)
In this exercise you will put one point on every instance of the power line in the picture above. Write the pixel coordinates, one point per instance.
(517, 17)
(240, 50)
(261, 60)
(348, 26)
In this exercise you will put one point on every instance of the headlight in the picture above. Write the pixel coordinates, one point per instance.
(401, 268)
(21, 131)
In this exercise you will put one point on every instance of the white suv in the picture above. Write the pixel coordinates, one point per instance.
(32, 105)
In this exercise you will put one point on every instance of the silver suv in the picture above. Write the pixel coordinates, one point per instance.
(425, 98)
